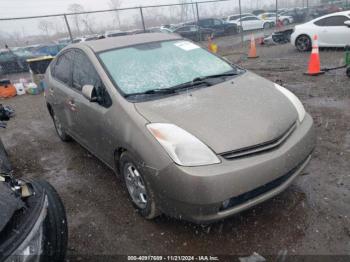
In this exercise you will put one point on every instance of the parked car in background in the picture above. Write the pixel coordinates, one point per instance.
(251, 23)
(332, 30)
(193, 32)
(48, 50)
(268, 18)
(299, 14)
(14, 61)
(192, 135)
(271, 17)
(235, 17)
(258, 12)
(220, 27)
(324, 10)
(64, 41)
(115, 33)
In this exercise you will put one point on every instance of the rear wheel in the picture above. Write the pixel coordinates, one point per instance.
(303, 43)
(60, 129)
(139, 190)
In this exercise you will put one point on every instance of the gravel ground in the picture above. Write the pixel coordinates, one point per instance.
(311, 217)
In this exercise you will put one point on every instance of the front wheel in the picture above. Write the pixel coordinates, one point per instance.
(303, 43)
(267, 26)
(140, 191)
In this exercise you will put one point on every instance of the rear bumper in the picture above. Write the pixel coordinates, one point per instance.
(197, 193)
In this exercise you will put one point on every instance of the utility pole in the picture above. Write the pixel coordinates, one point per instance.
(68, 27)
(276, 12)
(240, 19)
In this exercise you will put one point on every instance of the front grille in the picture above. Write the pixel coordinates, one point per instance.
(260, 148)
(236, 201)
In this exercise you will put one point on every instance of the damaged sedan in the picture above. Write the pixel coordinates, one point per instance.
(192, 135)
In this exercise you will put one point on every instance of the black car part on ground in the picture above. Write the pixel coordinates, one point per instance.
(21, 222)
(282, 37)
(23, 215)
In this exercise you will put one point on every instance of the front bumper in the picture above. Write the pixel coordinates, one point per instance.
(197, 193)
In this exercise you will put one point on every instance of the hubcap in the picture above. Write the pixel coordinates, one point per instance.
(135, 185)
(303, 43)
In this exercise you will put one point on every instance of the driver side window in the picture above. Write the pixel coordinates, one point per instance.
(85, 74)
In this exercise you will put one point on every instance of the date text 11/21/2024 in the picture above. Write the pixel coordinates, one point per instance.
(173, 258)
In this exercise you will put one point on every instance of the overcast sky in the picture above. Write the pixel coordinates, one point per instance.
(18, 8)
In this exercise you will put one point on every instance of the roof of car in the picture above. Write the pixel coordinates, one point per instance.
(128, 40)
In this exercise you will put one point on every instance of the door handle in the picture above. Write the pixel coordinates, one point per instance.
(72, 105)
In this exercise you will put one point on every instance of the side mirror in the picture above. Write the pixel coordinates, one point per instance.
(347, 23)
(89, 93)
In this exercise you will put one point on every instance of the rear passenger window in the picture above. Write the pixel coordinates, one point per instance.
(62, 69)
(332, 21)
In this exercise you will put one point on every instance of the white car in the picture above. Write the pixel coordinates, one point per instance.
(235, 17)
(251, 23)
(271, 17)
(332, 30)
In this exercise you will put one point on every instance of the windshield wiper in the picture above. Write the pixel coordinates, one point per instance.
(215, 76)
(191, 84)
(170, 90)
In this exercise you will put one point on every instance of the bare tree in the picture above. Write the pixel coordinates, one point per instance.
(115, 4)
(45, 26)
(76, 8)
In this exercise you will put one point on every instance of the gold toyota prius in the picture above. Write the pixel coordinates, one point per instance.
(192, 135)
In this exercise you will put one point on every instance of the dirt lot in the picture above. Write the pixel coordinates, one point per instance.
(311, 217)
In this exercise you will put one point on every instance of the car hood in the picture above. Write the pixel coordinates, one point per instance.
(243, 112)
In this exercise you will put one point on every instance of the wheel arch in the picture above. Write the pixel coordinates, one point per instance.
(117, 154)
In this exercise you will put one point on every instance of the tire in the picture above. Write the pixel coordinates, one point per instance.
(148, 209)
(55, 226)
(60, 130)
(266, 26)
(303, 43)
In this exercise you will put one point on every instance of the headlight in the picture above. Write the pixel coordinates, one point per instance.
(32, 247)
(184, 148)
(295, 101)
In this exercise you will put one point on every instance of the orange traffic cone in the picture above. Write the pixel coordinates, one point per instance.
(314, 68)
(252, 51)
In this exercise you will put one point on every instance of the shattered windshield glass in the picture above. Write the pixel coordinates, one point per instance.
(160, 65)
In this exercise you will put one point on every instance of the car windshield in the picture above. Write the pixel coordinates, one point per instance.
(160, 65)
